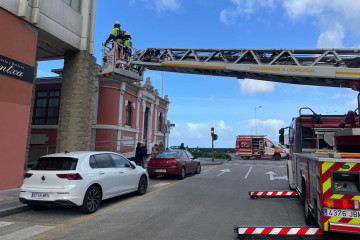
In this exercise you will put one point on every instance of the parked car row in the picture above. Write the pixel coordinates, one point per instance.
(86, 178)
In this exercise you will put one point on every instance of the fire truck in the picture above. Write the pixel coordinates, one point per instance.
(257, 146)
(324, 168)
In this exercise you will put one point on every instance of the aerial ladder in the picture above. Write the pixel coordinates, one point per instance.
(316, 67)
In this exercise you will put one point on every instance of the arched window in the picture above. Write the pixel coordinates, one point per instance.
(128, 114)
(161, 117)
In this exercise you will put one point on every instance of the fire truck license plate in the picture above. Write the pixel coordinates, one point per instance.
(341, 213)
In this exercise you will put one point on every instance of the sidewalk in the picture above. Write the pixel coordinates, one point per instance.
(10, 204)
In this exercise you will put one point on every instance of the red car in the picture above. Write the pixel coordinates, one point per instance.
(173, 162)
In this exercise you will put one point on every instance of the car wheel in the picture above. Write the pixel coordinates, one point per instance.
(182, 174)
(143, 184)
(37, 207)
(92, 200)
(277, 157)
(198, 169)
(152, 176)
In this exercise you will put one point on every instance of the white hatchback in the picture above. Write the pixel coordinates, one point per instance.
(81, 179)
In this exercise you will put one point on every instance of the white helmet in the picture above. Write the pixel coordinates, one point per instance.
(117, 23)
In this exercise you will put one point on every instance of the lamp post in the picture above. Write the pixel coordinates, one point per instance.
(255, 118)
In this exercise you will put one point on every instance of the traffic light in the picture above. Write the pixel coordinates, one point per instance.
(213, 135)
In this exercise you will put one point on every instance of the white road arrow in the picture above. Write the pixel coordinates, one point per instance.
(223, 171)
(273, 178)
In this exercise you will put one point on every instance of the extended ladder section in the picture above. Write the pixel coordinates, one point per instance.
(318, 67)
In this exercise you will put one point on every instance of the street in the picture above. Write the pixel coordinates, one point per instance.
(204, 206)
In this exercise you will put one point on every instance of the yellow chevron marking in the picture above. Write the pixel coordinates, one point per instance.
(355, 221)
(332, 219)
(357, 197)
(336, 196)
(327, 185)
(326, 166)
(351, 166)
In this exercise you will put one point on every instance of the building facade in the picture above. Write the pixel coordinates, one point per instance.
(123, 115)
(39, 30)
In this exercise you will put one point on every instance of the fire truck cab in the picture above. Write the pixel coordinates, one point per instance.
(324, 169)
(257, 146)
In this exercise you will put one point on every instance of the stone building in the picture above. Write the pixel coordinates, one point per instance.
(123, 114)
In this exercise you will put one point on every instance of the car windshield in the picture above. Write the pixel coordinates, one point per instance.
(167, 154)
(56, 164)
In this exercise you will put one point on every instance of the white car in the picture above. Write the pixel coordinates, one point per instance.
(81, 179)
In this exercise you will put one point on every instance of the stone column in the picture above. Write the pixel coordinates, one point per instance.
(77, 101)
(30, 119)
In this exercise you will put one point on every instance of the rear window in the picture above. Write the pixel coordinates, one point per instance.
(167, 155)
(56, 164)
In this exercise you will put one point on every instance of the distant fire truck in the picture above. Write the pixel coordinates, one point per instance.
(324, 169)
(257, 146)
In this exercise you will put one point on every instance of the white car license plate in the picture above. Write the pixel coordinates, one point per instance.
(341, 213)
(40, 195)
(160, 170)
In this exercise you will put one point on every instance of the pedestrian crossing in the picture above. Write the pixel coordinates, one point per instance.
(19, 231)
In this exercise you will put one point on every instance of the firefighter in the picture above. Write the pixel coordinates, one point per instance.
(116, 35)
(128, 45)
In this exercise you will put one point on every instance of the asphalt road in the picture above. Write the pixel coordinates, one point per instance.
(204, 206)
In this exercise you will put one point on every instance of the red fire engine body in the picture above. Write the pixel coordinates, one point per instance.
(324, 168)
(257, 146)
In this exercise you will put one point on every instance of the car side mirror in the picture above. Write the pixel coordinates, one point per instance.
(133, 164)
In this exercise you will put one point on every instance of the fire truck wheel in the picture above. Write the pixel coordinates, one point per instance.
(245, 158)
(277, 156)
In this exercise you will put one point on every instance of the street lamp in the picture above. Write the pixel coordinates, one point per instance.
(255, 118)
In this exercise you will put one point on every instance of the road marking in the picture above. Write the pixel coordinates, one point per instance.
(33, 223)
(273, 178)
(26, 233)
(62, 227)
(248, 172)
(3, 224)
(160, 185)
(223, 171)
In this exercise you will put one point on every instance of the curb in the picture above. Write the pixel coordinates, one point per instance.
(13, 210)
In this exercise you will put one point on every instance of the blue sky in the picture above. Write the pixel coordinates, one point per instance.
(227, 104)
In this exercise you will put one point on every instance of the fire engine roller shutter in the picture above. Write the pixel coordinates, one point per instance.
(326, 169)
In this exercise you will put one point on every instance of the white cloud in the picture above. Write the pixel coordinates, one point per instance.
(332, 37)
(198, 134)
(255, 87)
(334, 18)
(348, 97)
(268, 127)
(161, 5)
(244, 8)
